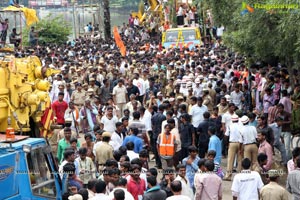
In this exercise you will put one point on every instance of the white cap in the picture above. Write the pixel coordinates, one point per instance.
(244, 119)
(228, 97)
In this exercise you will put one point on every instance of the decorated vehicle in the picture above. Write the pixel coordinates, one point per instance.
(181, 37)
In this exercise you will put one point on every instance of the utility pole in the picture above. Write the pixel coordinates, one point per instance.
(74, 19)
(106, 16)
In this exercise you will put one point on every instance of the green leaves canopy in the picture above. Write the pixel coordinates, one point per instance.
(53, 30)
(263, 34)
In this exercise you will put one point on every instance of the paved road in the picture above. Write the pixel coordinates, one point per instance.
(226, 184)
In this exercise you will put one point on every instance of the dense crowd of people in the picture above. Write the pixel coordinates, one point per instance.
(189, 108)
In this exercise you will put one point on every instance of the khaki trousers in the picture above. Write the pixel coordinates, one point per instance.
(251, 151)
(233, 150)
(122, 107)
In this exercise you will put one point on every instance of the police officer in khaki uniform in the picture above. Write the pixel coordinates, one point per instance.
(130, 73)
(78, 96)
(169, 88)
(273, 190)
(234, 149)
(74, 83)
(248, 139)
(92, 85)
(72, 72)
(104, 151)
(79, 76)
(85, 88)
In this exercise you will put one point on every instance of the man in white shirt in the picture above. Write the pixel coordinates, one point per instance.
(226, 118)
(58, 81)
(186, 188)
(120, 95)
(176, 189)
(86, 166)
(100, 187)
(146, 118)
(117, 137)
(108, 121)
(98, 134)
(136, 22)
(220, 31)
(237, 97)
(197, 89)
(139, 82)
(130, 151)
(121, 185)
(247, 184)
(175, 131)
(197, 111)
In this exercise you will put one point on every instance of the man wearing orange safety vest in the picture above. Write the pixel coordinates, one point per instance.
(166, 146)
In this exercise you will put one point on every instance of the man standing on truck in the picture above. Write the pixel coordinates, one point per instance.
(14, 3)
(3, 30)
(33, 37)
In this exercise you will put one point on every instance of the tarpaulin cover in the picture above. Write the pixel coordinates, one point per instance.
(30, 14)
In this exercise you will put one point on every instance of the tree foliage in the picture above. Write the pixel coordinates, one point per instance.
(265, 35)
(51, 30)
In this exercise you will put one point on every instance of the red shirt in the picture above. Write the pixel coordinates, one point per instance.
(136, 188)
(59, 108)
(237, 74)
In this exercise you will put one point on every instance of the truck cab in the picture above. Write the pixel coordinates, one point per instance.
(181, 37)
(28, 170)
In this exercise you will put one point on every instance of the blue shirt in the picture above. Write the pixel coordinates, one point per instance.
(191, 169)
(73, 183)
(138, 142)
(13, 2)
(215, 144)
(254, 123)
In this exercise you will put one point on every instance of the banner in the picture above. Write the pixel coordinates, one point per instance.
(119, 42)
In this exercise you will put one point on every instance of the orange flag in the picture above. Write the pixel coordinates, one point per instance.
(119, 42)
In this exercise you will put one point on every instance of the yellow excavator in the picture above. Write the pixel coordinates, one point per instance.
(155, 8)
(24, 95)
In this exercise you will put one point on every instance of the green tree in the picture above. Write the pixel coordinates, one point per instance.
(50, 30)
(265, 35)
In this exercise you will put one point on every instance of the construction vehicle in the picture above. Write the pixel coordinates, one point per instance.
(24, 95)
(148, 9)
(187, 37)
(28, 170)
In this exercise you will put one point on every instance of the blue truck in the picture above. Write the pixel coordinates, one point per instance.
(28, 170)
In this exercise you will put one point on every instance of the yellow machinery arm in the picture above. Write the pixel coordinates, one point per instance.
(23, 91)
(155, 7)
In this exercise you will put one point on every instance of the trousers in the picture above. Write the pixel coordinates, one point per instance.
(233, 150)
(251, 151)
